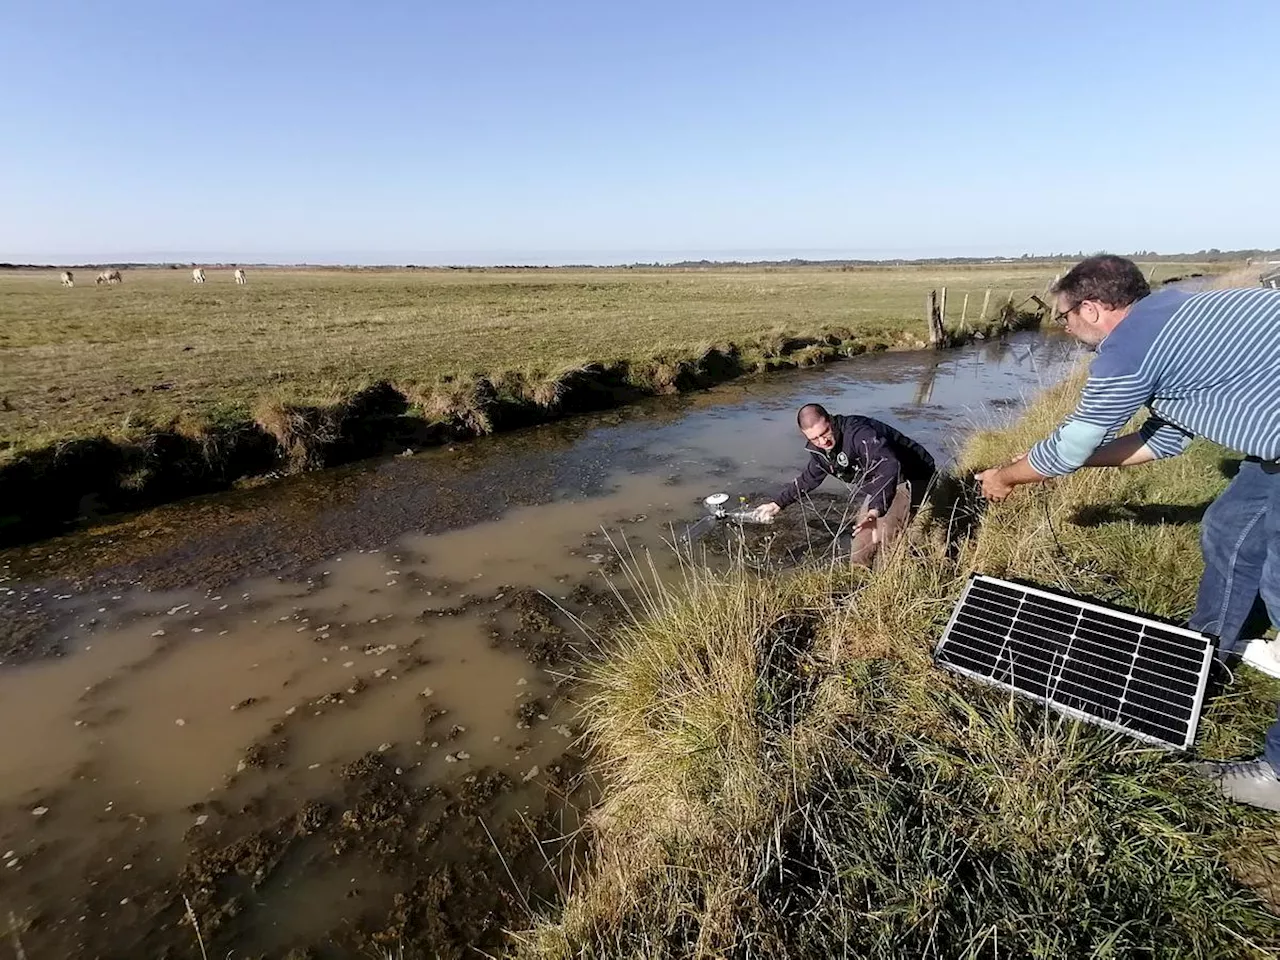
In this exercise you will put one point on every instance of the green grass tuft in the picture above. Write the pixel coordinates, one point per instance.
(786, 774)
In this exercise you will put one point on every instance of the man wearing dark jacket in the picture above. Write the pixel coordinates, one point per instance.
(886, 470)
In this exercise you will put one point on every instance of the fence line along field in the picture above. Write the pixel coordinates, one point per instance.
(91, 358)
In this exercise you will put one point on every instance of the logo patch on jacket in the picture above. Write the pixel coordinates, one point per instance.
(842, 458)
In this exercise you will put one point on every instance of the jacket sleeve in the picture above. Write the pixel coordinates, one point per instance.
(880, 468)
(809, 480)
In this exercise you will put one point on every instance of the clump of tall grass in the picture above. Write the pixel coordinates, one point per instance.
(786, 774)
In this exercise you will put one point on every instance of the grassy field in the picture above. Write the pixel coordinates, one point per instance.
(786, 774)
(104, 359)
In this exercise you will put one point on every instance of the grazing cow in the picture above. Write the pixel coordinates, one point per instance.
(197, 275)
(109, 276)
(68, 278)
(240, 277)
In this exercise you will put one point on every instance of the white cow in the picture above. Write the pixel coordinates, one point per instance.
(197, 275)
(240, 277)
(109, 276)
(68, 278)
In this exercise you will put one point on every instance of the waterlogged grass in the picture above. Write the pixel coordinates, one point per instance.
(158, 347)
(786, 774)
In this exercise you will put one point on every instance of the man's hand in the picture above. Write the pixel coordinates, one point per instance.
(767, 511)
(868, 522)
(993, 485)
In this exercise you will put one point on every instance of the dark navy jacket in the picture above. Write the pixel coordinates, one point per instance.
(868, 454)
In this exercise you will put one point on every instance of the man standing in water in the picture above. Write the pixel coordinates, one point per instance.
(887, 470)
(1206, 365)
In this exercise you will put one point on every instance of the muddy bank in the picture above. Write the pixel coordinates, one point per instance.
(370, 757)
(45, 490)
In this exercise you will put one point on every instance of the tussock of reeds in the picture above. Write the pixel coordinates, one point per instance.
(786, 774)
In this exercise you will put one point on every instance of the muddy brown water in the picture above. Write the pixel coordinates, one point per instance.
(335, 713)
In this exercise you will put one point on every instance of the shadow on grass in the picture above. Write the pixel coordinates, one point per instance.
(1145, 514)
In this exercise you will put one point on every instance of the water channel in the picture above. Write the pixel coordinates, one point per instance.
(318, 709)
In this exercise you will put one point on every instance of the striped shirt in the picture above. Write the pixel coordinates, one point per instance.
(1206, 364)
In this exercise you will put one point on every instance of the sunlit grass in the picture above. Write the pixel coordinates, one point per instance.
(98, 360)
(786, 774)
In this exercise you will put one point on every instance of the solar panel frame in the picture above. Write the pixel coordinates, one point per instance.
(1142, 674)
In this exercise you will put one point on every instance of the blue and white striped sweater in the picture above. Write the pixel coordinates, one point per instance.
(1207, 365)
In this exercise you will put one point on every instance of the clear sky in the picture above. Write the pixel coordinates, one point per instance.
(485, 131)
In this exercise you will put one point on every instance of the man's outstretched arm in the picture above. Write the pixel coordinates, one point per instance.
(1127, 451)
(809, 480)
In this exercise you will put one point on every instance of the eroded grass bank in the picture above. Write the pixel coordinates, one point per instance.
(146, 463)
(787, 775)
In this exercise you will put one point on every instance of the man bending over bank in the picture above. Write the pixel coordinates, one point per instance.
(887, 471)
(1206, 365)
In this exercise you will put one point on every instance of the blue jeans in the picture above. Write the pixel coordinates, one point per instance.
(1240, 538)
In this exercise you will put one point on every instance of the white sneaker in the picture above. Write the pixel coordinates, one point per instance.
(1252, 782)
(1264, 656)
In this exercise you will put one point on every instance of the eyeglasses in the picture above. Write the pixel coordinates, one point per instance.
(1061, 318)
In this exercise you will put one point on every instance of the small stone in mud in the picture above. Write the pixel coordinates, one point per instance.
(255, 756)
(349, 664)
(158, 633)
(384, 747)
(426, 692)
(521, 682)
(39, 811)
(202, 820)
(533, 772)
(528, 712)
(312, 817)
(291, 711)
(564, 731)
(180, 722)
(380, 672)
(246, 702)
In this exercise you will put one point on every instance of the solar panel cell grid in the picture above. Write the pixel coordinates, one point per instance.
(1124, 672)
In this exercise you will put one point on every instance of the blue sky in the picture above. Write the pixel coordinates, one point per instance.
(516, 131)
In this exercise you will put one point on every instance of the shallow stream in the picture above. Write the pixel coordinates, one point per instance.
(317, 709)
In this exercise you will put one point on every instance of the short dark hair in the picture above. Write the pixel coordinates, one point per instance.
(810, 414)
(1114, 281)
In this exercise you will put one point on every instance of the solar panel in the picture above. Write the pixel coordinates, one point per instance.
(1107, 667)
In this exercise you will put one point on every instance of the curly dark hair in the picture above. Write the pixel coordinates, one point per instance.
(1106, 278)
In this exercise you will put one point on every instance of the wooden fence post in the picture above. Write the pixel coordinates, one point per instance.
(942, 308)
(986, 302)
(937, 337)
(964, 313)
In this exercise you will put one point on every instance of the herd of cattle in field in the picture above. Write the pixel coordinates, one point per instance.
(113, 276)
